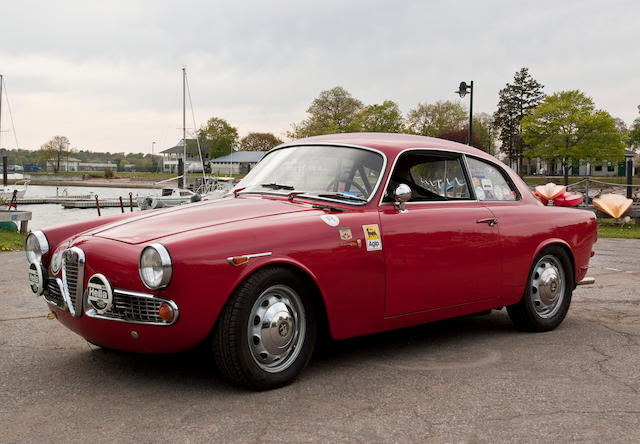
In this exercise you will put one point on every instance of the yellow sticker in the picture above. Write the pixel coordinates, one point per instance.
(372, 236)
(345, 233)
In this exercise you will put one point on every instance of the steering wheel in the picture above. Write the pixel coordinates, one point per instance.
(347, 185)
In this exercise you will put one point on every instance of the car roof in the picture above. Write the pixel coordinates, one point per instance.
(391, 144)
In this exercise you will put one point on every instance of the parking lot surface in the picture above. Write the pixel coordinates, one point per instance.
(471, 379)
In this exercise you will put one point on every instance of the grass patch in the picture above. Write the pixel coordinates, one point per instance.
(614, 228)
(10, 241)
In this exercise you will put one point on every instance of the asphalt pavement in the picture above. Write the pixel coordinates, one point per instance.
(472, 379)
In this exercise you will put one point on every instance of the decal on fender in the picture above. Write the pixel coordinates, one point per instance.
(330, 220)
(372, 237)
(345, 233)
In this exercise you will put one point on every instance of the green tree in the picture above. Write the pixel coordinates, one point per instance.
(259, 142)
(566, 127)
(439, 118)
(634, 132)
(517, 99)
(217, 137)
(333, 111)
(55, 149)
(483, 133)
(384, 118)
(484, 129)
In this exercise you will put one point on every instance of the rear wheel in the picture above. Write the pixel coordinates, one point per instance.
(266, 332)
(548, 294)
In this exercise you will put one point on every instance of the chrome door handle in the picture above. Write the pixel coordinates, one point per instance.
(490, 220)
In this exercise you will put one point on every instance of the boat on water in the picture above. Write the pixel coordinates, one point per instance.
(169, 197)
(6, 193)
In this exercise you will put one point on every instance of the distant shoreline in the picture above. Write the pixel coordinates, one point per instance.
(104, 183)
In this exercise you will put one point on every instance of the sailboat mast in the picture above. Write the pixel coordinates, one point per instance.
(184, 125)
(0, 110)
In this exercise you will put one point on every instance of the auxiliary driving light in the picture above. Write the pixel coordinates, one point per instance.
(36, 246)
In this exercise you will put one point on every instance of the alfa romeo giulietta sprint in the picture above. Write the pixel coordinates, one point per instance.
(351, 234)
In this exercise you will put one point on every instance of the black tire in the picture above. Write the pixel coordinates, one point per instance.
(266, 332)
(547, 296)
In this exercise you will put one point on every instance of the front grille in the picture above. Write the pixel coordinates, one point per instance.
(53, 293)
(71, 275)
(137, 308)
(73, 278)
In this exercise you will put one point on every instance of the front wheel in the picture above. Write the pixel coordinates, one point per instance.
(266, 332)
(547, 297)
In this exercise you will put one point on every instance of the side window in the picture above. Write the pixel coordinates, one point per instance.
(431, 176)
(488, 181)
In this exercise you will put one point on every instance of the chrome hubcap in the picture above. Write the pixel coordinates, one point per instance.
(276, 328)
(547, 286)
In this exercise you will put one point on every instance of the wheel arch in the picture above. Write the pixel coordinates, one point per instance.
(565, 247)
(320, 308)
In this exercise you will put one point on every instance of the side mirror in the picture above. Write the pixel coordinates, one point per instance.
(402, 195)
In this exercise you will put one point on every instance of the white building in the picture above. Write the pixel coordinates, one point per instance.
(66, 164)
(238, 162)
(170, 158)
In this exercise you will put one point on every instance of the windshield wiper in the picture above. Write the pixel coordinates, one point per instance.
(343, 196)
(276, 186)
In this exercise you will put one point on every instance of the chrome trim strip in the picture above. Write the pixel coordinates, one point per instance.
(176, 311)
(588, 280)
(248, 256)
(65, 295)
(334, 144)
(467, 174)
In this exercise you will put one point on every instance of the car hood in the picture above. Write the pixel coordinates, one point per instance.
(160, 223)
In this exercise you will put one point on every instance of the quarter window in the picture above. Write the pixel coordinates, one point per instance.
(489, 183)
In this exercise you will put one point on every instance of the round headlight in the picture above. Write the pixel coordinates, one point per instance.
(155, 266)
(35, 246)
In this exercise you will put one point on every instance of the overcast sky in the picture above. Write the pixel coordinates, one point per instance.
(108, 74)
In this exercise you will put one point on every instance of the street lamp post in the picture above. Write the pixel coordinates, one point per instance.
(462, 91)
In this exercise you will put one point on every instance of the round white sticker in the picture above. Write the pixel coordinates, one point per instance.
(330, 220)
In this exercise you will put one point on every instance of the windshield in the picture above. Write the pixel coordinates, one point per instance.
(341, 173)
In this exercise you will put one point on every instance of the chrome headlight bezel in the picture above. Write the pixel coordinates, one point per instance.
(56, 262)
(36, 246)
(158, 257)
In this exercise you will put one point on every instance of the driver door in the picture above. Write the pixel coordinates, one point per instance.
(443, 250)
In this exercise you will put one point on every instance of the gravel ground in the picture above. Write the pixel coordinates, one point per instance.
(472, 379)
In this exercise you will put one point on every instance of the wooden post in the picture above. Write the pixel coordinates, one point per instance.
(98, 205)
(121, 205)
(586, 192)
(630, 178)
(131, 201)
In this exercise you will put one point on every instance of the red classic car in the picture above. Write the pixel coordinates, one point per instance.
(355, 233)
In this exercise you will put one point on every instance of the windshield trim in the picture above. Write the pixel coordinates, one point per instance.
(376, 187)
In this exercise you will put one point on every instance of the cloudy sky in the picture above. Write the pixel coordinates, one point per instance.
(108, 74)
